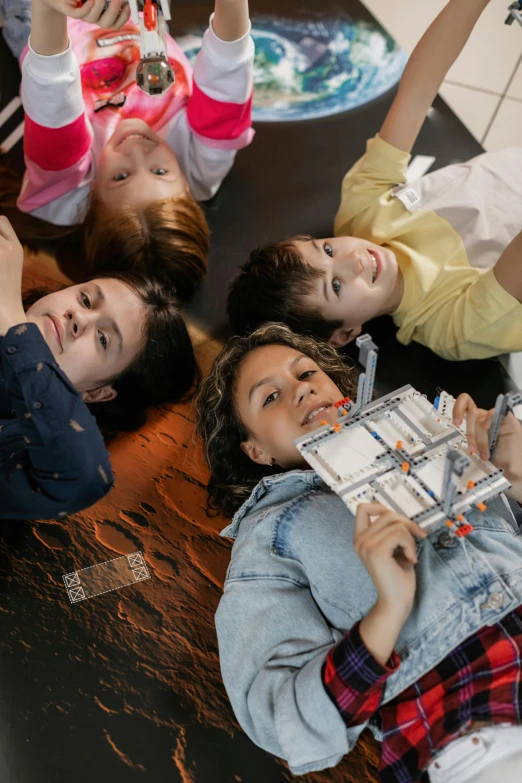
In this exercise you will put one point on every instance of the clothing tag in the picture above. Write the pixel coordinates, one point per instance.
(409, 197)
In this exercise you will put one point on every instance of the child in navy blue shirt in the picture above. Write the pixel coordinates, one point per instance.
(112, 339)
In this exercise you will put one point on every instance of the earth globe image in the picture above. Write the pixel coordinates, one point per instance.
(305, 69)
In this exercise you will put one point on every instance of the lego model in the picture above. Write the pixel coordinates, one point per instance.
(154, 74)
(515, 12)
(404, 452)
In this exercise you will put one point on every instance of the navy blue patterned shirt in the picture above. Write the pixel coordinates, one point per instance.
(53, 460)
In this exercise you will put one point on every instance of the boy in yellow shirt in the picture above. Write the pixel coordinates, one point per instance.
(387, 256)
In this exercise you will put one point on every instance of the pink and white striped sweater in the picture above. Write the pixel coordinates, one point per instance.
(74, 100)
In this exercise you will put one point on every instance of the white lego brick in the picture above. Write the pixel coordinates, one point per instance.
(391, 429)
(423, 415)
(353, 450)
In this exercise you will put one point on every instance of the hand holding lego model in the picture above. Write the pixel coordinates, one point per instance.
(508, 448)
(109, 15)
(11, 263)
(385, 542)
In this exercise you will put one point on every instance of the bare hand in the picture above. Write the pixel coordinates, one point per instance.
(93, 11)
(11, 263)
(387, 549)
(508, 448)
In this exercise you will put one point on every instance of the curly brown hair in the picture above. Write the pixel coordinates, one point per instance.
(233, 474)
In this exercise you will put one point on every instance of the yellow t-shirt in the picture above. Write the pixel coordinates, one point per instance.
(457, 311)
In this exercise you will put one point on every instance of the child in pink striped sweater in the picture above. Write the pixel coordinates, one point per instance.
(127, 166)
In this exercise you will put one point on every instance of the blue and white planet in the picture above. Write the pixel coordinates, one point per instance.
(305, 69)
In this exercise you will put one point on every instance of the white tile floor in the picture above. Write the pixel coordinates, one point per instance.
(484, 87)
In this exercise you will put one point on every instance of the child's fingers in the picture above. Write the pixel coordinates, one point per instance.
(82, 9)
(123, 17)
(463, 404)
(483, 422)
(109, 19)
(95, 12)
(364, 513)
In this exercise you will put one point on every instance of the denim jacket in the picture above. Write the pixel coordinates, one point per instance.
(295, 586)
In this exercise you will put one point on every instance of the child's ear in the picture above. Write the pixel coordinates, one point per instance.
(103, 394)
(342, 337)
(255, 453)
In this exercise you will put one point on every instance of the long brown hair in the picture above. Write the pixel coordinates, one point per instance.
(168, 239)
(234, 475)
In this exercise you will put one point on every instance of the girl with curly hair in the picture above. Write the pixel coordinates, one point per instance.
(331, 622)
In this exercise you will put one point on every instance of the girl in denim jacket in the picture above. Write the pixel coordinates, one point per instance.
(330, 623)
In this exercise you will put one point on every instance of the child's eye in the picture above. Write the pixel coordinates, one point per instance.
(328, 249)
(306, 375)
(86, 300)
(159, 172)
(120, 177)
(336, 285)
(271, 398)
(103, 341)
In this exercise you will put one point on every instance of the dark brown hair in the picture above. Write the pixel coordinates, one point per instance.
(234, 475)
(168, 238)
(272, 286)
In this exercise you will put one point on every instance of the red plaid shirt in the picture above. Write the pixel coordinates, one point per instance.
(481, 680)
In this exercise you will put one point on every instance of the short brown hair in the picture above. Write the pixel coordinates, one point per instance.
(168, 239)
(233, 474)
(272, 286)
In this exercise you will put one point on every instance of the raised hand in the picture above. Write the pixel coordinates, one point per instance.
(508, 448)
(109, 15)
(385, 542)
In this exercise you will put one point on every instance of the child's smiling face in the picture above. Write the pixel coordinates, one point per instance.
(360, 281)
(282, 394)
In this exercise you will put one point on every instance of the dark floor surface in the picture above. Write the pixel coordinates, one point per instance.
(118, 688)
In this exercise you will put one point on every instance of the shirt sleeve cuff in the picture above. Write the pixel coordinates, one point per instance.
(386, 161)
(228, 50)
(356, 666)
(47, 66)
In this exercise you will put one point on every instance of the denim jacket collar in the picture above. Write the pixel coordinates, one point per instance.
(308, 478)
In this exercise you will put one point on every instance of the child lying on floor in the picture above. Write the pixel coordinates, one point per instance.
(389, 257)
(128, 166)
(105, 344)
(331, 622)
